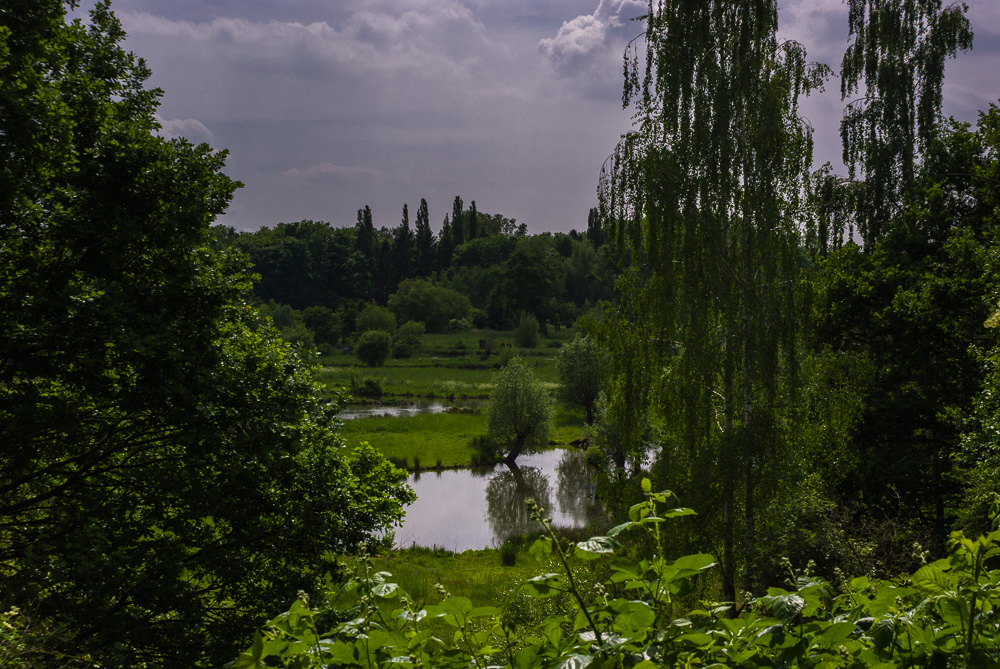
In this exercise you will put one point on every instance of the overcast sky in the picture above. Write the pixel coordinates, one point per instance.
(330, 105)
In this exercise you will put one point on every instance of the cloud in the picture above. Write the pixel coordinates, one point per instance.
(329, 171)
(189, 128)
(588, 48)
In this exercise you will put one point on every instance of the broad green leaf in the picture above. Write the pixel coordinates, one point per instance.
(696, 562)
(594, 548)
(883, 632)
(930, 580)
(786, 607)
(541, 550)
(386, 590)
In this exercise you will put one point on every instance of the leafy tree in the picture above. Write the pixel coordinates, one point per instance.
(897, 60)
(526, 334)
(324, 324)
(420, 300)
(531, 278)
(373, 347)
(446, 244)
(579, 366)
(519, 416)
(706, 190)
(169, 470)
(375, 317)
(408, 339)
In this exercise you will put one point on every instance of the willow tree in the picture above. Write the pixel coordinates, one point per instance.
(705, 192)
(895, 67)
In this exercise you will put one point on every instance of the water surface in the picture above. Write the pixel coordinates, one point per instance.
(480, 507)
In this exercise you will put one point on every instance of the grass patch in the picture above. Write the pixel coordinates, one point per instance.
(425, 440)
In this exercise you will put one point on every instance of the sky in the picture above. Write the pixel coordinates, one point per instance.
(326, 106)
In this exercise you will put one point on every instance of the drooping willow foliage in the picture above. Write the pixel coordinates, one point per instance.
(707, 193)
(895, 68)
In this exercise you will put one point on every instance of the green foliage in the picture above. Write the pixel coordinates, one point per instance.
(579, 365)
(168, 464)
(519, 417)
(526, 334)
(435, 306)
(942, 615)
(373, 347)
(408, 339)
(374, 317)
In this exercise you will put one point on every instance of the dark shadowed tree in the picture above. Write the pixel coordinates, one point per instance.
(169, 472)
(457, 225)
(425, 249)
(707, 189)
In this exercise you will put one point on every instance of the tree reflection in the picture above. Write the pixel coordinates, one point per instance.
(506, 494)
(576, 491)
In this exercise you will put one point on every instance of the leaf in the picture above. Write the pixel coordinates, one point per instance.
(834, 634)
(678, 513)
(594, 548)
(541, 550)
(930, 580)
(696, 562)
(786, 607)
(647, 485)
(386, 590)
(883, 632)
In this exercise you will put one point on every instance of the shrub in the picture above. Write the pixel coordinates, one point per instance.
(366, 386)
(526, 334)
(408, 339)
(373, 347)
(374, 317)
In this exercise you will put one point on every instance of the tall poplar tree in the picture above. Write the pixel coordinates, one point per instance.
(424, 241)
(706, 190)
(457, 228)
(446, 244)
(473, 221)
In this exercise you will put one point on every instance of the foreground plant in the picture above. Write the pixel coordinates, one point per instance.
(945, 614)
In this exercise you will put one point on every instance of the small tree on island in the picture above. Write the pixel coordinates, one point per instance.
(519, 414)
(579, 366)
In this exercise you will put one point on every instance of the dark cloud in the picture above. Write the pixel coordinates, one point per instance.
(327, 106)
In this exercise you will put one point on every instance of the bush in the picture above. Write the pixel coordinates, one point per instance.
(526, 334)
(459, 325)
(408, 339)
(366, 386)
(374, 317)
(373, 347)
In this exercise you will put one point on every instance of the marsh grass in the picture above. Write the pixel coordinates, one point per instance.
(443, 439)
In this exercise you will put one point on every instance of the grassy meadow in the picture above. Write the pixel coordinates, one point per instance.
(448, 366)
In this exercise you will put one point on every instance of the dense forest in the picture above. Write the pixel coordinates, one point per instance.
(481, 269)
(796, 431)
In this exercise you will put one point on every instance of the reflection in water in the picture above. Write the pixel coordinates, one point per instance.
(577, 492)
(462, 509)
(506, 495)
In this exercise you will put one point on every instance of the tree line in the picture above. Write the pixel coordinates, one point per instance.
(481, 269)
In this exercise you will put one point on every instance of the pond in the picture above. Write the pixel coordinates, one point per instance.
(412, 408)
(463, 509)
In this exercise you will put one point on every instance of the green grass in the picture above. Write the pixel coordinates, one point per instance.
(432, 440)
(427, 377)
(445, 439)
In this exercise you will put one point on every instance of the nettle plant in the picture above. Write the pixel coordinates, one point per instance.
(945, 614)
